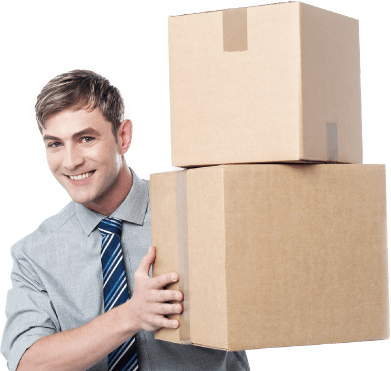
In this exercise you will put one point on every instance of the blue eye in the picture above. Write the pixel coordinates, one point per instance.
(87, 139)
(54, 145)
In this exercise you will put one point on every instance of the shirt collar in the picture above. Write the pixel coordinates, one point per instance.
(132, 208)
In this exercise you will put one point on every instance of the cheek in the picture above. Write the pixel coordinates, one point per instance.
(118, 160)
(53, 161)
(113, 157)
(110, 158)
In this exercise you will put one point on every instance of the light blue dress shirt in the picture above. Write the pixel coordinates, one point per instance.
(57, 286)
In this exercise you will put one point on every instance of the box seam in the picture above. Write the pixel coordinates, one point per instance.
(300, 103)
(225, 257)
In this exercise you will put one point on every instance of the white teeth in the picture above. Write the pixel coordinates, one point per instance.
(81, 176)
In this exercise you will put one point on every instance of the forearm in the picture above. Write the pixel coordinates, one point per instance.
(80, 348)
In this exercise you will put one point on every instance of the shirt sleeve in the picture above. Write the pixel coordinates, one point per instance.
(29, 310)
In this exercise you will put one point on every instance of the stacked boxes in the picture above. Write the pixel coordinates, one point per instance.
(269, 254)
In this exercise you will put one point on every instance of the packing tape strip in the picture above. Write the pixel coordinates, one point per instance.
(332, 141)
(183, 253)
(235, 30)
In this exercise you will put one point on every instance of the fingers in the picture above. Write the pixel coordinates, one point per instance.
(164, 280)
(167, 323)
(146, 262)
(168, 309)
(170, 323)
(157, 282)
(169, 295)
(151, 303)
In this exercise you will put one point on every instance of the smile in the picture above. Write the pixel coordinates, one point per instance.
(81, 176)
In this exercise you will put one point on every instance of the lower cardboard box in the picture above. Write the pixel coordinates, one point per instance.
(273, 255)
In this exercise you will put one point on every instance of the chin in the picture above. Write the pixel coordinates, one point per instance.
(81, 199)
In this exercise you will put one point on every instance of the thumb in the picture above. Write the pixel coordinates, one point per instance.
(147, 261)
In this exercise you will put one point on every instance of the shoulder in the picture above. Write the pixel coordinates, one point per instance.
(148, 195)
(58, 221)
(146, 183)
(62, 222)
(144, 192)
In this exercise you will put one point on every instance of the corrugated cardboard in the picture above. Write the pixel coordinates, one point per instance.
(261, 84)
(278, 255)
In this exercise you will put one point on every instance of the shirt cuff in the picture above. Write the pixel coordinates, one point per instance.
(24, 342)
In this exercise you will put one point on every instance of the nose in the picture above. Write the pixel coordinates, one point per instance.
(72, 157)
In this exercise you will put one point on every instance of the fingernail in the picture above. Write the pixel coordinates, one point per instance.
(174, 277)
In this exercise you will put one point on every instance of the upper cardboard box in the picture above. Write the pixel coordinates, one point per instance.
(271, 83)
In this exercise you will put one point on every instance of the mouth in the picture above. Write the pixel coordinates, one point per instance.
(82, 176)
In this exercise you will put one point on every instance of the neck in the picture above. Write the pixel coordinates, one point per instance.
(113, 197)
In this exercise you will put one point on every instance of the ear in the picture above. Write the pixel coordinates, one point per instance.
(124, 136)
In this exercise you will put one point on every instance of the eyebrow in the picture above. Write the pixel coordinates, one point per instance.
(88, 131)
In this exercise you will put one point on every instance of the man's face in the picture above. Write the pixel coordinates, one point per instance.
(82, 154)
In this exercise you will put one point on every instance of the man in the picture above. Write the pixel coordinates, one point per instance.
(81, 294)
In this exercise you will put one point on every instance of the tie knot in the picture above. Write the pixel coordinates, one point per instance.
(109, 226)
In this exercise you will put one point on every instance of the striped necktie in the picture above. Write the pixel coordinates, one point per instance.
(115, 289)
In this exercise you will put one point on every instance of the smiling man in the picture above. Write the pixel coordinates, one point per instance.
(86, 160)
(81, 295)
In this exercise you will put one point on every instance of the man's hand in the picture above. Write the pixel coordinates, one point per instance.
(148, 305)
(82, 347)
